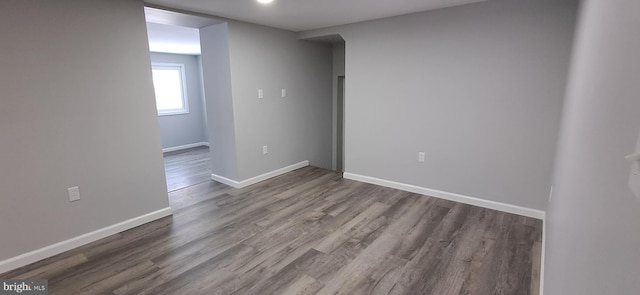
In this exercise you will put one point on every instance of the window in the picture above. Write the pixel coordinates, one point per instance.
(169, 85)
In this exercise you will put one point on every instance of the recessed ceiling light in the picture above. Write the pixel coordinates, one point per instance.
(265, 1)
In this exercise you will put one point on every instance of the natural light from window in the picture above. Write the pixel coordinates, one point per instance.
(169, 86)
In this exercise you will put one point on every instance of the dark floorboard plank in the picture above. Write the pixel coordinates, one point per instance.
(415, 275)
(185, 168)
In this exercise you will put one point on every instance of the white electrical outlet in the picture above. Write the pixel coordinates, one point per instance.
(634, 174)
(284, 92)
(74, 193)
(260, 93)
(421, 157)
(265, 150)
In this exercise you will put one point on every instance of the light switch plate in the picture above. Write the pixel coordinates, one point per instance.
(74, 193)
(634, 174)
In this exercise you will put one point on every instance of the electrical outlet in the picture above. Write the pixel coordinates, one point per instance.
(260, 93)
(265, 150)
(284, 92)
(421, 157)
(74, 194)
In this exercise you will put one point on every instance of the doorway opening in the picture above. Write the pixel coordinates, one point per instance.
(340, 125)
(174, 45)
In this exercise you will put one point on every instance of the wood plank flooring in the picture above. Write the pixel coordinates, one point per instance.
(187, 167)
(306, 232)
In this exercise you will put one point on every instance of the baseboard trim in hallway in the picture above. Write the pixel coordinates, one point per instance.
(504, 207)
(259, 178)
(57, 248)
(184, 147)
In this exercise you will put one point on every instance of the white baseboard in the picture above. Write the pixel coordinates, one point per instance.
(509, 208)
(184, 147)
(57, 248)
(259, 178)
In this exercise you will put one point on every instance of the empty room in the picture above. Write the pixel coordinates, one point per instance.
(331, 147)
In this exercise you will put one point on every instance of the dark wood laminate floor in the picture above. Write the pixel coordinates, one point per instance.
(187, 167)
(306, 232)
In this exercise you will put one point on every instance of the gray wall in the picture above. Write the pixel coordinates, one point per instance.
(183, 129)
(216, 73)
(77, 110)
(295, 128)
(478, 88)
(593, 241)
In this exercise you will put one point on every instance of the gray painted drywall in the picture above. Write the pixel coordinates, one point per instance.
(216, 73)
(77, 110)
(479, 88)
(593, 242)
(204, 101)
(295, 128)
(338, 59)
(184, 129)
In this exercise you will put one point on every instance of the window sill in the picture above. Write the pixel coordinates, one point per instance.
(172, 113)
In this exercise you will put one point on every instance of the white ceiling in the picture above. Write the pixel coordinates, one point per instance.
(173, 39)
(173, 32)
(301, 15)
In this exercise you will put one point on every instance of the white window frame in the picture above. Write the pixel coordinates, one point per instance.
(183, 78)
